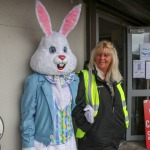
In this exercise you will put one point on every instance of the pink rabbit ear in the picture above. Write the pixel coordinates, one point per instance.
(43, 18)
(70, 20)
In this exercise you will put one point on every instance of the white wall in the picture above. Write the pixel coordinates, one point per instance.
(19, 37)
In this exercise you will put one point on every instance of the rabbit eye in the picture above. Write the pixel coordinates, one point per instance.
(65, 49)
(52, 49)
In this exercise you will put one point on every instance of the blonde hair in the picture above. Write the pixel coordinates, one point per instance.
(113, 72)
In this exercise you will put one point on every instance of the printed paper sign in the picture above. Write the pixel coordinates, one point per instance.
(147, 69)
(138, 69)
(145, 51)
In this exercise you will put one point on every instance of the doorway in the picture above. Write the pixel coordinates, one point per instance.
(127, 41)
(115, 32)
(138, 81)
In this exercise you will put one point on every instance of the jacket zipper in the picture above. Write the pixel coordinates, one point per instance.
(113, 105)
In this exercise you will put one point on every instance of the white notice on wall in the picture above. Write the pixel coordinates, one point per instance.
(138, 69)
(145, 51)
(147, 69)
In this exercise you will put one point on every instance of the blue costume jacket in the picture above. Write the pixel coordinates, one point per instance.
(38, 111)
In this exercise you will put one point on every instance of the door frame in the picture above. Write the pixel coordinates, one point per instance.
(124, 50)
(130, 92)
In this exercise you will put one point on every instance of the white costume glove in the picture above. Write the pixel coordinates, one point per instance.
(89, 113)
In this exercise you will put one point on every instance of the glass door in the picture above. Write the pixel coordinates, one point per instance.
(138, 79)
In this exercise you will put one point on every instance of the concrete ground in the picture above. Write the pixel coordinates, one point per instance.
(137, 145)
(140, 144)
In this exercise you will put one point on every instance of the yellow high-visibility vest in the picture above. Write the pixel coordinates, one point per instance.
(92, 98)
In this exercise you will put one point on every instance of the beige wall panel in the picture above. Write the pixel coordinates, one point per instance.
(16, 47)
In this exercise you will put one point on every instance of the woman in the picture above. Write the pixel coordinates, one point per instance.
(100, 89)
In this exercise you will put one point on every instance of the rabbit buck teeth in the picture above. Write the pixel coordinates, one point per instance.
(60, 63)
(61, 66)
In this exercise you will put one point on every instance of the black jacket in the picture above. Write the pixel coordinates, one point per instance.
(109, 124)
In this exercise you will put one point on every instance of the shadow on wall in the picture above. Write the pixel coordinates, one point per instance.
(1, 129)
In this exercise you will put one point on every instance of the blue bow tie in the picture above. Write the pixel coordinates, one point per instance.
(65, 80)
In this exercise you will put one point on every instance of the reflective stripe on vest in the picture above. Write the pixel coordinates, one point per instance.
(91, 92)
(92, 98)
(124, 106)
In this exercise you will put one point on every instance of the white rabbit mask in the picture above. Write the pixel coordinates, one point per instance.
(54, 56)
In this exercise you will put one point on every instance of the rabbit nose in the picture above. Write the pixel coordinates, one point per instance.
(62, 57)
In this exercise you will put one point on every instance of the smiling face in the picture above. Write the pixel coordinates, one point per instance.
(103, 58)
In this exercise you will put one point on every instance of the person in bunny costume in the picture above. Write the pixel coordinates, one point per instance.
(49, 94)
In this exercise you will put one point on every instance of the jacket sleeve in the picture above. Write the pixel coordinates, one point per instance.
(28, 104)
(78, 112)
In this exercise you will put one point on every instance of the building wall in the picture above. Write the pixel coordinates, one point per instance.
(20, 35)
